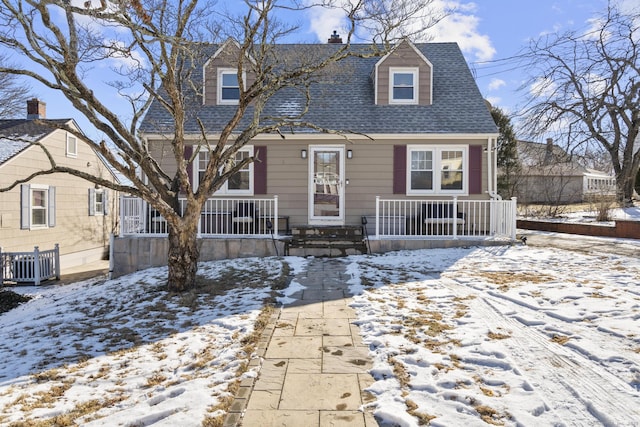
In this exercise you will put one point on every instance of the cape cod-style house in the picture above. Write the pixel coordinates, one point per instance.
(54, 209)
(418, 167)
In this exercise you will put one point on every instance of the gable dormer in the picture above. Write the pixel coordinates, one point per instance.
(403, 77)
(221, 85)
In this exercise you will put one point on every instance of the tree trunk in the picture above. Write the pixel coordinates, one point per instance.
(183, 256)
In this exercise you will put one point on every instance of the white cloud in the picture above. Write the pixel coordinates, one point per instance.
(542, 87)
(324, 21)
(494, 100)
(460, 27)
(496, 84)
(123, 57)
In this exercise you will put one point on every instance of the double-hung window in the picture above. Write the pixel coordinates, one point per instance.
(403, 85)
(436, 170)
(241, 182)
(37, 206)
(228, 86)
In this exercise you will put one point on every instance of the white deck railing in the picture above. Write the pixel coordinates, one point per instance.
(30, 267)
(219, 217)
(410, 219)
(444, 219)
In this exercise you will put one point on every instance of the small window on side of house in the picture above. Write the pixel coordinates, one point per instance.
(99, 202)
(39, 204)
(403, 85)
(72, 146)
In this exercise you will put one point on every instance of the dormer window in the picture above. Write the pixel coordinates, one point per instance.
(228, 86)
(403, 87)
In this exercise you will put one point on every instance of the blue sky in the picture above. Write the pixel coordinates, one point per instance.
(488, 31)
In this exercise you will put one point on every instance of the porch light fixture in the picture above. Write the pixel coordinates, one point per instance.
(349, 154)
(303, 153)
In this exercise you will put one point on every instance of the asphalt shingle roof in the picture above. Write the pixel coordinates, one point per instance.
(18, 134)
(345, 101)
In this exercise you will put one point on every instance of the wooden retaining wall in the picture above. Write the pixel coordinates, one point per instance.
(621, 229)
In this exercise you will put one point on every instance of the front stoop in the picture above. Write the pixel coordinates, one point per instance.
(326, 241)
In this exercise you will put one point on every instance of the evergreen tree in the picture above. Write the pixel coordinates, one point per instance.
(508, 164)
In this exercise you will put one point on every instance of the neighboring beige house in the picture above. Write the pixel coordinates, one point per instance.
(418, 127)
(549, 175)
(55, 208)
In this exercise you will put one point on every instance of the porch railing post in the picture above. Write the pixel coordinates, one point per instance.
(56, 256)
(122, 208)
(275, 215)
(36, 266)
(377, 217)
(514, 216)
(455, 218)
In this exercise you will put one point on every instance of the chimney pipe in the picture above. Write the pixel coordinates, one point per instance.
(335, 38)
(36, 109)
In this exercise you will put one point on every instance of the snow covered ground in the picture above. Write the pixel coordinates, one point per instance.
(502, 335)
(512, 335)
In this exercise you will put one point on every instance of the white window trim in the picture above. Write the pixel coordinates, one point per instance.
(224, 189)
(95, 203)
(39, 187)
(405, 70)
(437, 169)
(69, 152)
(222, 71)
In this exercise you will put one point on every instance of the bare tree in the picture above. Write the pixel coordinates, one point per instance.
(586, 86)
(162, 41)
(13, 93)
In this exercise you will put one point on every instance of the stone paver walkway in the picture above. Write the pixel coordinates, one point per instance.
(315, 366)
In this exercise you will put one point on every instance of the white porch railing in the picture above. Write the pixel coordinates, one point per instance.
(219, 217)
(30, 267)
(445, 219)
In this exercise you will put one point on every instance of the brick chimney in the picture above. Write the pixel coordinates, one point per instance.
(36, 109)
(335, 38)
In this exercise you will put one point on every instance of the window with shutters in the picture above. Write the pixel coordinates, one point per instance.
(37, 206)
(240, 183)
(436, 170)
(98, 202)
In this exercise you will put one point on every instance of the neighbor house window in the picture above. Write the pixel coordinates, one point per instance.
(228, 86)
(240, 182)
(37, 206)
(98, 202)
(72, 146)
(436, 170)
(403, 85)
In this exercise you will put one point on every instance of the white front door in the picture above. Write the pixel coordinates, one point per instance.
(326, 185)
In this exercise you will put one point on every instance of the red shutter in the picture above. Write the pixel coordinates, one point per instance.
(188, 152)
(475, 169)
(399, 169)
(260, 170)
